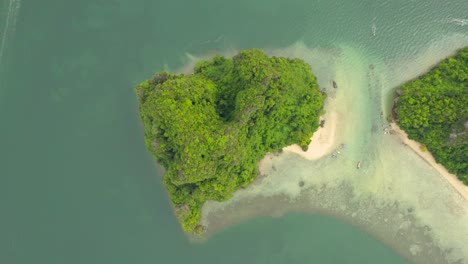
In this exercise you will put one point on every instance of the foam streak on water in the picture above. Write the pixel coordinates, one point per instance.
(396, 196)
(460, 21)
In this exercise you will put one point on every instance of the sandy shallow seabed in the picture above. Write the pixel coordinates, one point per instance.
(325, 139)
(395, 196)
(427, 156)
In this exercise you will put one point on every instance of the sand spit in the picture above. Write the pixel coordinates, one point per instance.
(427, 156)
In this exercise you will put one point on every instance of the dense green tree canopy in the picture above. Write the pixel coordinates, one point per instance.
(433, 110)
(210, 129)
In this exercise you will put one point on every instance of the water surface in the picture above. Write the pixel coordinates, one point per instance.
(78, 186)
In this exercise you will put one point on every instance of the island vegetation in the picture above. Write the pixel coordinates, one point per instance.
(433, 110)
(210, 129)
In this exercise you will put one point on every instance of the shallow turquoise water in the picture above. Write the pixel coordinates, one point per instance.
(76, 183)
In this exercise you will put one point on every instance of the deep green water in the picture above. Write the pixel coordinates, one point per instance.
(76, 182)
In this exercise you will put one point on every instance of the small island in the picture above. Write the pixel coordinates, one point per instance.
(210, 129)
(433, 110)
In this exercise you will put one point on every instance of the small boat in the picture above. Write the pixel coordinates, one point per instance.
(334, 84)
(322, 122)
(358, 165)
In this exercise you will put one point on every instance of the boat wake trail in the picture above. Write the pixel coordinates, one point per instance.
(9, 24)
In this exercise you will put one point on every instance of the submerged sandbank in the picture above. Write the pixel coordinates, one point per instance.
(427, 156)
(394, 196)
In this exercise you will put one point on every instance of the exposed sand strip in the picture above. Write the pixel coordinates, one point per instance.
(427, 156)
(322, 142)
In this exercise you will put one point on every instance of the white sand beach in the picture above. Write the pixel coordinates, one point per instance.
(322, 142)
(427, 156)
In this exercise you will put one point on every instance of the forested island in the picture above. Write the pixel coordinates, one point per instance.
(433, 110)
(210, 129)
